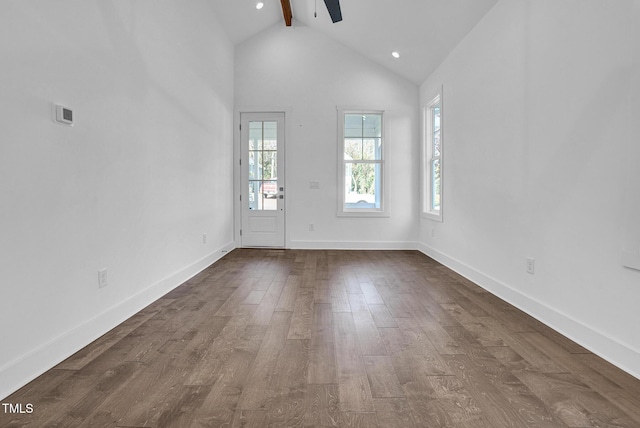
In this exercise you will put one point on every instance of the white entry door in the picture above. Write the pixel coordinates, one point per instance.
(262, 182)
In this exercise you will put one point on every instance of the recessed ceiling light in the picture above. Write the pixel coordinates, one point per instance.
(395, 54)
(259, 5)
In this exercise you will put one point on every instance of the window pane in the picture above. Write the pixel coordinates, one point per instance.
(435, 120)
(372, 125)
(363, 137)
(432, 160)
(435, 185)
(353, 149)
(436, 144)
(361, 183)
(372, 149)
(362, 155)
(352, 125)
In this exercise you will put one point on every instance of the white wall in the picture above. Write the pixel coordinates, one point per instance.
(132, 187)
(541, 160)
(309, 74)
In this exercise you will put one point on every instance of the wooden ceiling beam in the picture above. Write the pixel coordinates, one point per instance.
(286, 12)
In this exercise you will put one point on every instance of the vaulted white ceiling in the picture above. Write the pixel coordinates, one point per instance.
(422, 31)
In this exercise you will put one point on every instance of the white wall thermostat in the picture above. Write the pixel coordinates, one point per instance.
(63, 115)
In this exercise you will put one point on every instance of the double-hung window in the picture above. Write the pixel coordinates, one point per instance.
(361, 164)
(432, 161)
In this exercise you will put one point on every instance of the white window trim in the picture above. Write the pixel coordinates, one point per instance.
(361, 212)
(427, 148)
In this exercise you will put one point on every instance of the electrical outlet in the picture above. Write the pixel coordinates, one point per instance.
(204, 238)
(311, 227)
(102, 278)
(531, 265)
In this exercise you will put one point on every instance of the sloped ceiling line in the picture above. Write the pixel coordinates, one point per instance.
(424, 32)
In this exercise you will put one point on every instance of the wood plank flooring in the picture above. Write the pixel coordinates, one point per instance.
(292, 338)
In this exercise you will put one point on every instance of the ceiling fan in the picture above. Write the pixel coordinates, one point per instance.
(333, 6)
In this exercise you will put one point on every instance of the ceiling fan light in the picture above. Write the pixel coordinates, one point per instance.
(395, 54)
(259, 5)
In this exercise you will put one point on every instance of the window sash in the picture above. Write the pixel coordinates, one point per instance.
(353, 197)
(432, 164)
(362, 144)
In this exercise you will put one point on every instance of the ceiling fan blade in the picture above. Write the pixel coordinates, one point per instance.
(333, 6)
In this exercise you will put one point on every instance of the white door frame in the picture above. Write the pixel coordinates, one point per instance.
(237, 170)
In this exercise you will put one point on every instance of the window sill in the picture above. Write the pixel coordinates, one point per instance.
(431, 216)
(363, 213)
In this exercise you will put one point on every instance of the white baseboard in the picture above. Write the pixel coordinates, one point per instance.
(23, 370)
(618, 354)
(353, 245)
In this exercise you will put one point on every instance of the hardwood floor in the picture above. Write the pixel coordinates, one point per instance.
(288, 338)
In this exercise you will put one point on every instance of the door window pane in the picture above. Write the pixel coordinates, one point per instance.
(270, 138)
(263, 165)
(269, 162)
(269, 193)
(255, 135)
(255, 199)
(255, 166)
